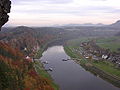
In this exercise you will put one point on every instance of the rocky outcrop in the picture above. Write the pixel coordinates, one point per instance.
(5, 6)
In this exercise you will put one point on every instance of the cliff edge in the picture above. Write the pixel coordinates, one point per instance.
(5, 6)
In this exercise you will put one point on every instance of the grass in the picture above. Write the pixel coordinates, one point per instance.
(41, 71)
(106, 39)
(111, 43)
(78, 41)
(39, 53)
(107, 67)
(113, 46)
(69, 51)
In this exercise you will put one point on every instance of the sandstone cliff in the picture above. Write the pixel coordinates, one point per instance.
(5, 6)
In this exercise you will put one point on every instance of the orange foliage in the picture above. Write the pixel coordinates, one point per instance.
(22, 71)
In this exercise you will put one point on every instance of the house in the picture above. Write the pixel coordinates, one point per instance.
(29, 59)
(92, 49)
(104, 56)
(25, 49)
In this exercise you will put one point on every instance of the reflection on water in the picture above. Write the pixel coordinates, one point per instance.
(69, 75)
(56, 50)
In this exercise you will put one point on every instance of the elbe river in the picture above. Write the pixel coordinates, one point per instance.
(69, 75)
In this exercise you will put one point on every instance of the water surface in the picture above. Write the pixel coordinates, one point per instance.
(69, 75)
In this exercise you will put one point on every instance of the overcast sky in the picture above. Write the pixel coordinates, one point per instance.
(51, 12)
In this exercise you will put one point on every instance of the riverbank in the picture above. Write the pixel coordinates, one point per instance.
(106, 72)
(40, 68)
(42, 72)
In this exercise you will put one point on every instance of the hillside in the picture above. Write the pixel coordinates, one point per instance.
(29, 40)
(17, 73)
(118, 34)
(116, 24)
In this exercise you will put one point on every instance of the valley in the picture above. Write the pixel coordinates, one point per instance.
(85, 45)
(52, 45)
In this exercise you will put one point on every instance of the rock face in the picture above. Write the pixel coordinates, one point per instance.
(5, 6)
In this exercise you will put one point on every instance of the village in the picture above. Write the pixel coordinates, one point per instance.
(90, 50)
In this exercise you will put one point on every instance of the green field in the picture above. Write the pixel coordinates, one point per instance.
(112, 43)
(113, 46)
(108, 67)
(78, 41)
(106, 39)
(70, 53)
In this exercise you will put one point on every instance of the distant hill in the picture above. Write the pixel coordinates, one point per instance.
(85, 24)
(118, 34)
(116, 24)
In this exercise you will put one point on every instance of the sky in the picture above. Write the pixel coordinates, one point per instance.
(58, 12)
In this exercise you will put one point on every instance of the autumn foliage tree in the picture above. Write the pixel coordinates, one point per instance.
(17, 73)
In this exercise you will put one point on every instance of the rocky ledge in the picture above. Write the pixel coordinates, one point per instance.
(5, 6)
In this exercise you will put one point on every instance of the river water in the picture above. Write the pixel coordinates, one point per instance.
(69, 75)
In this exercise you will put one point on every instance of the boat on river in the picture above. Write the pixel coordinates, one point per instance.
(64, 59)
(50, 69)
(45, 62)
